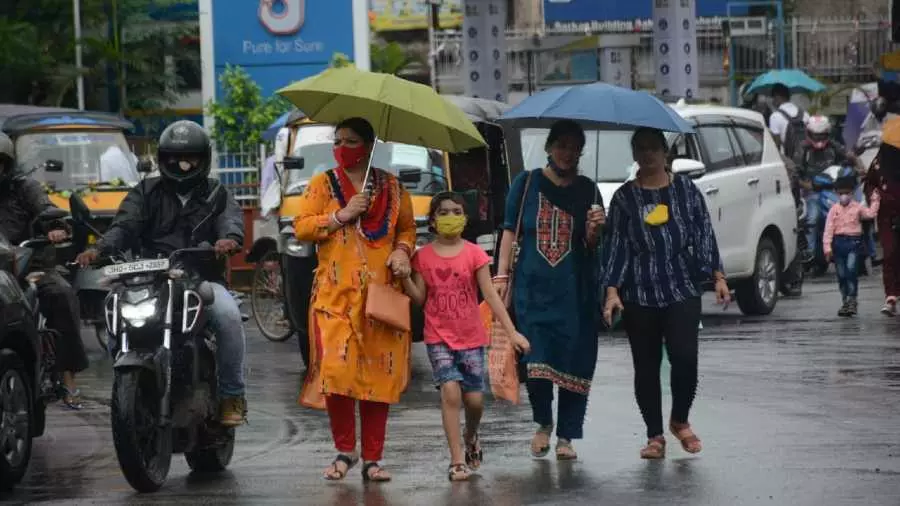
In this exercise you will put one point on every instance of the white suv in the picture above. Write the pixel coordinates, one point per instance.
(735, 163)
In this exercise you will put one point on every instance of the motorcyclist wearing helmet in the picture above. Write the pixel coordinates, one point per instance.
(157, 217)
(819, 151)
(22, 199)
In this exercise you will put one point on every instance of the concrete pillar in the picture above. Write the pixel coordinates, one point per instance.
(675, 48)
(616, 57)
(484, 49)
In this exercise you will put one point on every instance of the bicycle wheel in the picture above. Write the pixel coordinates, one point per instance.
(267, 299)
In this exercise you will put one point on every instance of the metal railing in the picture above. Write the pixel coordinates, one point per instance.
(239, 171)
(839, 49)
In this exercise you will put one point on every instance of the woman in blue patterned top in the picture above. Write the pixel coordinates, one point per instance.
(661, 249)
(555, 284)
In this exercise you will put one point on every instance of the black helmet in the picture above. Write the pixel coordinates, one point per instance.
(184, 154)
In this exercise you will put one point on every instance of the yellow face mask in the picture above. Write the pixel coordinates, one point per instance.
(450, 225)
(658, 216)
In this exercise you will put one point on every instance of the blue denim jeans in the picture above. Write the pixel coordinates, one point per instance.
(812, 220)
(225, 320)
(846, 251)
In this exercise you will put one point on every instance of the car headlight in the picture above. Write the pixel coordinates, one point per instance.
(137, 314)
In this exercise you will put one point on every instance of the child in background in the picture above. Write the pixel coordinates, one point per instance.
(842, 240)
(446, 277)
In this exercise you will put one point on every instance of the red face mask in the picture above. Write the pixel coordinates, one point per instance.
(347, 157)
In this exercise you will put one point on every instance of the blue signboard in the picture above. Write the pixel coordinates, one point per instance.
(280, 41)
(567, 11)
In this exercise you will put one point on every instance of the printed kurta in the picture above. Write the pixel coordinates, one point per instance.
(350, 354)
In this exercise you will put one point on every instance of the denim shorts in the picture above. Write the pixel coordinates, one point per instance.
(464, 366)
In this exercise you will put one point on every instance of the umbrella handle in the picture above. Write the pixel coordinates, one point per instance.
(369, 164)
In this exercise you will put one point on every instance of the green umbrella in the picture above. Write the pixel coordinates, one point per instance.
(399, 110)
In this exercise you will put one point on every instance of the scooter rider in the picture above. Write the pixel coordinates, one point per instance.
(157, 217)
(22, 199)
(817, 152)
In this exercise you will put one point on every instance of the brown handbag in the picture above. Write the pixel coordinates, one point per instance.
(384, 303)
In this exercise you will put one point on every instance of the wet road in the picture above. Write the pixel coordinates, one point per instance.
(798, 408)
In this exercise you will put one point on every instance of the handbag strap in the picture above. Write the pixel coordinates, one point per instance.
(513, 252)
(359, 238)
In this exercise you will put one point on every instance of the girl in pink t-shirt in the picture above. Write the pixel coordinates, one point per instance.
(446, 277)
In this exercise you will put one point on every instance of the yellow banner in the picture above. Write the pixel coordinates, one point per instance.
(388, 15)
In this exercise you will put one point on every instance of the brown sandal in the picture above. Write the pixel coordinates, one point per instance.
(542, 438)
(689, 441)
(474, 453)
(655, 449)
(565, 450)
(458, 472)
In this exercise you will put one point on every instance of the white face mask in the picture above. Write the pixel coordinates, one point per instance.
(845, 199)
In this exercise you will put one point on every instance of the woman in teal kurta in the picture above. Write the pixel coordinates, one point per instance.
(555, 284)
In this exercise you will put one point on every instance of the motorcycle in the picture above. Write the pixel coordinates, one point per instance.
(88, 283)
(165, 398)
(29, 380)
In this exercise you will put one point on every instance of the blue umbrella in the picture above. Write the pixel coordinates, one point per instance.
(597, 106)
(796, 80)
(278, 124)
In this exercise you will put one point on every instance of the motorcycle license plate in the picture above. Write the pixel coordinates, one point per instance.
(160, 264)
(91, 239)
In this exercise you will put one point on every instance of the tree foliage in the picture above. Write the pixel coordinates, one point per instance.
(123, 51)
(243, 114)
(390, 58)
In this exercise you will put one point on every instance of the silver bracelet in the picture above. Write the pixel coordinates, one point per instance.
(337, 220)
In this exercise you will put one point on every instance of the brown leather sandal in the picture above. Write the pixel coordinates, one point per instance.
(683, 433)
(655, 449)
(565, 450)
(458, 472)
(540, 443)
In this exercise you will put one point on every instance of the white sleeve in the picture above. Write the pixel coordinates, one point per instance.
(281, 144)
(777, 123)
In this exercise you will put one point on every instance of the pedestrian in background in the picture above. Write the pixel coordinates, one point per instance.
(363, 233)
(884, 177)
(842, 239)
(447, 275)
(554, 299)
(661, 249)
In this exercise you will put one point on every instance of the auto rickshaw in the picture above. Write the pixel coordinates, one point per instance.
(90, 157)
(285, 266)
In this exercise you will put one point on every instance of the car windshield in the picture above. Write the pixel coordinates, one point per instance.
(606, 157)
(87, 157)
(315, 145)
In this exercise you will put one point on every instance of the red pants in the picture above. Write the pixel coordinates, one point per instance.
(372, 417)
(890, 267)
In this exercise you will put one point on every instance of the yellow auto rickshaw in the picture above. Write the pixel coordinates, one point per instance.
(91, 147)
(284, 266)
(79, 152)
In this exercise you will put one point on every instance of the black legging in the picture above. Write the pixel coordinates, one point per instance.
(648, 328)
(60, 306)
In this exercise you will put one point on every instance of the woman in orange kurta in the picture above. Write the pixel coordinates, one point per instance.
(362, 237)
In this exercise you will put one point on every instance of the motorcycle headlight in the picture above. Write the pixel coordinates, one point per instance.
(137, 314)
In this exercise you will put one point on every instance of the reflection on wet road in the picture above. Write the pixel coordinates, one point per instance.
(798, 408)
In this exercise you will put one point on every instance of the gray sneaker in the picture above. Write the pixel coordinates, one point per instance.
(889, 309)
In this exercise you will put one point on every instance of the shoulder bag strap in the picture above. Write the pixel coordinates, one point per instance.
(514, 251)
